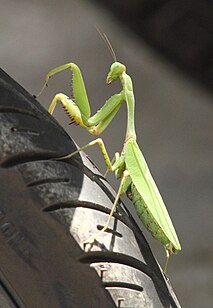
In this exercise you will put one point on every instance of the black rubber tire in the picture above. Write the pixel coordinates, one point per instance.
(47, 209)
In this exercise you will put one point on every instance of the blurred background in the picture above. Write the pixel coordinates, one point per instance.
(167, 48)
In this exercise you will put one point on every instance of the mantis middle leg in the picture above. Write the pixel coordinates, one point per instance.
(118, 162)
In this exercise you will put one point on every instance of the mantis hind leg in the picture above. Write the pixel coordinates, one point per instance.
(121, 190)
(168, 254)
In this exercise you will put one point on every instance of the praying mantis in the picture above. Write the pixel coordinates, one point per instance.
(130, 165)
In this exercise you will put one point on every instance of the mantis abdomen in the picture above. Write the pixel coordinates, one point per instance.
(146, 216)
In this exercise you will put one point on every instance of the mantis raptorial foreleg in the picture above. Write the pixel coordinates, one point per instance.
(79, 108)
(74, 112)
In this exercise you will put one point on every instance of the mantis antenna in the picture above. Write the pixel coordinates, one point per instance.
(108, 44)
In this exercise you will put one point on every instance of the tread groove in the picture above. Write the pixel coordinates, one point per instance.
(125, 285)
(51, 180)
(19, 130)
(22, 158)
(85, 204)
(100, 256)
(8, 109)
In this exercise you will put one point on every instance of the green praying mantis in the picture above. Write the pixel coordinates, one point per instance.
(130, 165)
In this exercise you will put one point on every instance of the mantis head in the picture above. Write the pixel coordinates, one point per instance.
(116, 71)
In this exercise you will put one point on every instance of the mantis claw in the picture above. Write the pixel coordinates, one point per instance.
(93, 238)
(85, 243)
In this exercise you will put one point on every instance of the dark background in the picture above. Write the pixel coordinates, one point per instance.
(166, 47)
(181, 30)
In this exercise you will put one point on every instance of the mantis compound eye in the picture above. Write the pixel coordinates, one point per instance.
(116, 70)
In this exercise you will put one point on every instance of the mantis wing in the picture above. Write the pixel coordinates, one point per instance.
(146, 187)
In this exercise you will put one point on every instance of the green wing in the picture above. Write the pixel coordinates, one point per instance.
(145, 185)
